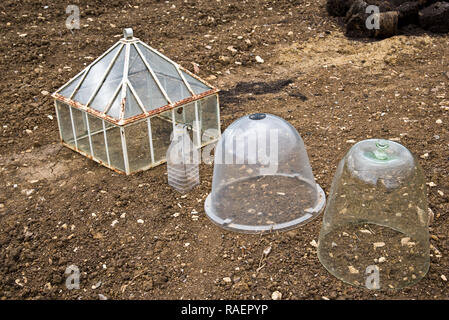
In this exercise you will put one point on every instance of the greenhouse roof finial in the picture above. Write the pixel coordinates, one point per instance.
(128, 33)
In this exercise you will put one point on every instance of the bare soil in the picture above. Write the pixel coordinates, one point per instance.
(58, 208)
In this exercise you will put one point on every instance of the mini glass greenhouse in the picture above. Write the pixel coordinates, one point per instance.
(375, 226)
(122, 109)
(262, 177)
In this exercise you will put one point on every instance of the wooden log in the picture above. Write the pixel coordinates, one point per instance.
(388, 22)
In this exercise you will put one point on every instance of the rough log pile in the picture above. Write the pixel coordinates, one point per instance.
(432, 15)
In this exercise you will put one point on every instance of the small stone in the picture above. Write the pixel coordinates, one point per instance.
(176, 214)
(431, 216)
(431, 184)
(211, 77)
(102, 297)
(114, 223)
(232, 49)
(353, 270)
(97, 285)
(97, 235)
(441, 193)
(227, 279)
(382, 259)
(365, 231)
(424, 156)
(276, 295)
(405, 241)
(224, 59)
(267, 251)
(45, 93)
(439, 121)
(443, 277)
(314, 244)
(28, 192)
(140, 221)
(290, 33)
(378, 244)
(350, 141)
(259, 59)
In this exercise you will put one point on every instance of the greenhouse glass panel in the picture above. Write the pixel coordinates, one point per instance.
(138, 144)
(70, 88)
(132, 106)
(209, 115)
(161, 130)
(167, 75)
(81, 132)
(97, 138)
(197, 86)
(114, 110)
(183, 116)
(65, 122)
(115, 148)
(110, 85)
(95, 74)
(143, 83)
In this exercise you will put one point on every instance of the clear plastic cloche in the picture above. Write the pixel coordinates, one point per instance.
(262, 177)
(375, 226)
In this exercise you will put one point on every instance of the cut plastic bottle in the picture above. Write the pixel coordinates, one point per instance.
(182, 161)
(375, 226)
(262, 178)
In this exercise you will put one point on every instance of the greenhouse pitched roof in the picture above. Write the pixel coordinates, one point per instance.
(131, 81)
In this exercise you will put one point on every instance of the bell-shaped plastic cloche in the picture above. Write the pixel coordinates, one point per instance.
(375, 226)
(262, 177)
